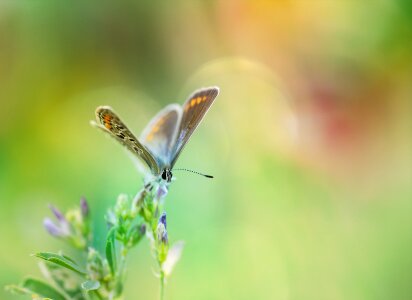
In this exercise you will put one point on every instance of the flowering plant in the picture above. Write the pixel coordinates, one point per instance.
(96, 275)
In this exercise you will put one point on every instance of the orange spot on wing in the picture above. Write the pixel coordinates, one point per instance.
(204, 98)
(192, 102)
(154, 129)
(198, 100)
(106, 121)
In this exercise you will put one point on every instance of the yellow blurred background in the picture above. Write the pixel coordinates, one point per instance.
(309, 140)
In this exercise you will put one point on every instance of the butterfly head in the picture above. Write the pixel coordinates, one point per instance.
(167, 175)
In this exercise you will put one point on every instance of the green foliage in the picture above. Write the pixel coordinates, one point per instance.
(111, 250)
(36, 289)
(60, 260)
(98, 277)
(63, 279)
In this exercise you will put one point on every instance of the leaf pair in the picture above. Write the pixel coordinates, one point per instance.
(37, 289)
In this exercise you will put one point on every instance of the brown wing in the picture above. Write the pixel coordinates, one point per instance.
(110, 123)
(160, 134)
(194, 110)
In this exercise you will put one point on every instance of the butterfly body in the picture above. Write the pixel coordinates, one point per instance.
(163, 139)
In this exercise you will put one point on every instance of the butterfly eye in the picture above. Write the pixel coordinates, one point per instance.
(164, 176)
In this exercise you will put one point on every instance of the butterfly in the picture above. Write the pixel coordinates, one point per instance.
(165, 136)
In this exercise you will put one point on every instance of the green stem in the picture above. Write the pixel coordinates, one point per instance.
(98, 295)
(162, 284)
(123, 255)
(121, 272)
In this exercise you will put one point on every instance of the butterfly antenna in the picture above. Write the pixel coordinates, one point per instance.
(198, 173)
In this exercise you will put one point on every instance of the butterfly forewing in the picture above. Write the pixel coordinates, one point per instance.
(194, 110)
(159, 135)
(109, 122)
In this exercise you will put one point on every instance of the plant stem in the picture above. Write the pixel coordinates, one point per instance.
(97, 293)
(162, 284)
(122, 271)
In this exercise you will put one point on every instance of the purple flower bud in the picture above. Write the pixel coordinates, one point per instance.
(138, 199)
(162, 234)
(165, 239)
(161, 229)
(57, 213)
(161, 192)
(84, 207)
(52, 228)
(162, 219)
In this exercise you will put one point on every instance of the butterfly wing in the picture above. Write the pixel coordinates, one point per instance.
(160, 134)
(194, 110)
(110, 123)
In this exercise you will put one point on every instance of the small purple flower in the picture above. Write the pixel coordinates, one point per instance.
(138, 199)
(59, 229)
(161, 192)
(59, 216)
(162, 236)
(162, 219)
(84, 207)
(161, 230)
(52, 228)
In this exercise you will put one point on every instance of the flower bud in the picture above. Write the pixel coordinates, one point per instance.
(162, 219)
(72, 226)
(122, 206)
(161, 192)
(62, 228)
(162, 229)
(84, 208)
(138, 200)
(162, 244)
(137, 233)
(57, 213)
(52, 228)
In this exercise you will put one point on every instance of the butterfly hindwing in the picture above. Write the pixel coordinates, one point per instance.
(194, 110)
(109, 122)
(160, 134)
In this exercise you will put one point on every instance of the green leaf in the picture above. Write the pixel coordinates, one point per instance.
(42, 288)
(63, 278)
(17, 290)
(61, 261)
(111, 250)
(90, 285)
(36, 289)
(68, 258)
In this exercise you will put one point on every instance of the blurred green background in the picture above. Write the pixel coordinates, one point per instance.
(309, 140)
